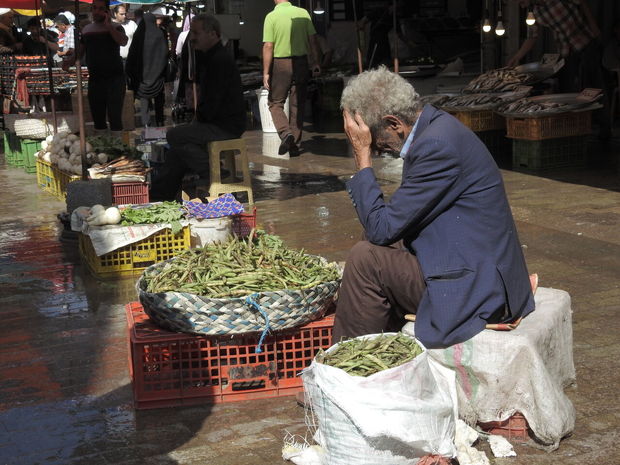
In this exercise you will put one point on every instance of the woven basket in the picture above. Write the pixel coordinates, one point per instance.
(41, 125)
(194, 314)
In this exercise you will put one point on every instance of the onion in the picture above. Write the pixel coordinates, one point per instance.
(112, 215)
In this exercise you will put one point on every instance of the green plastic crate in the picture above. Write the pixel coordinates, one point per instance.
(12, 148)
(29, 148)
(546, 154)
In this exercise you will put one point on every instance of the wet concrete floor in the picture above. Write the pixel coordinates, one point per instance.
(65, 392)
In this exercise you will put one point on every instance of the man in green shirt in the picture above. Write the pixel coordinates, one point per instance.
(288, 33)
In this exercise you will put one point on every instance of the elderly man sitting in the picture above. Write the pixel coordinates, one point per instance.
(445, 246)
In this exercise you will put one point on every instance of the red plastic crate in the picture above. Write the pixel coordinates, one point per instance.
(243, 223)
(135, 193)
(171, 369)
(514, 428)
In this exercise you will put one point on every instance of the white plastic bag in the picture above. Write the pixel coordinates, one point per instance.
(393, 417)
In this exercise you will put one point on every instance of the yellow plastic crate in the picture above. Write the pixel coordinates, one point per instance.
(53, 180)
(45, 175)
(134, 258)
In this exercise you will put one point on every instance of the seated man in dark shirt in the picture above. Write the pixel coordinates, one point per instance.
(220, 114)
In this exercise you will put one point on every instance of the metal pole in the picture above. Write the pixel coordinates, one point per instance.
(395, 37)
(191, 65)
(357, 38)
(50, 73)
(80, 97)
(481, 49)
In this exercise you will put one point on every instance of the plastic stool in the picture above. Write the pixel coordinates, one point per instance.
(227, 148)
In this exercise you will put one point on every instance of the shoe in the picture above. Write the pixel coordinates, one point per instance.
(286, 144)
(293, 151)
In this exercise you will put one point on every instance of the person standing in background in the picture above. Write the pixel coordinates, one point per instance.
(120, 17)
(35, 42)
(138, 15)
(379, 51)
(288, 33)
(146, 68)
(611, 53)
(101, 42)
(8, 41)
(183, 35)
(66, 38)
(578, 40)
(186, 62)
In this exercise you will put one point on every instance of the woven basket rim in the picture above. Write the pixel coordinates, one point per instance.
(240, 299)
(199, 314)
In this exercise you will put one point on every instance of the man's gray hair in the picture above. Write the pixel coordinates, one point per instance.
(380, 92)
(209, 23)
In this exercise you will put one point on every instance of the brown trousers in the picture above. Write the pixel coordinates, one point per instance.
(288, 76)
(380, 285)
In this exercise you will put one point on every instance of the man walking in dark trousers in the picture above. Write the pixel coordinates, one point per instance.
(288, 33)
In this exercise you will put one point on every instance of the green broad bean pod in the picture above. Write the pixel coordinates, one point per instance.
(240, 267)
(365, 357)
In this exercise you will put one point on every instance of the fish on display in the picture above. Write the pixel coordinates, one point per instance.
(498, 80)
(528, 107)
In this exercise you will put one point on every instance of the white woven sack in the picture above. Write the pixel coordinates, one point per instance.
(9, 120)
(41, 125)
(393, 417)
(524, 370)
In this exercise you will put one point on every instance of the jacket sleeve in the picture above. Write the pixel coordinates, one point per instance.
(428, 187)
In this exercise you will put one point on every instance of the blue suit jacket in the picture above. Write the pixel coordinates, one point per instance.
(452, 212)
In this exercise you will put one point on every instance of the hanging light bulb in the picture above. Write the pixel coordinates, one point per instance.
(486, 26)
(530, 19)
(499, 29)
(241, 22)
(318, 10)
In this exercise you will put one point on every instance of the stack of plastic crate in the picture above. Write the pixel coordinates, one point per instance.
(170, 369)
(549, 142)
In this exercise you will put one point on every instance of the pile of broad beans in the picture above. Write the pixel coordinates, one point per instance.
(364, 357)
(241, 267)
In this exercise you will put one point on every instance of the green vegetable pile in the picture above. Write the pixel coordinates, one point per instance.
(114, 147)
(241, 267)
(164, 212)
(365, 357)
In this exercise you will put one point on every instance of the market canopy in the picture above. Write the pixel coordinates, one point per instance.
(59, 4)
